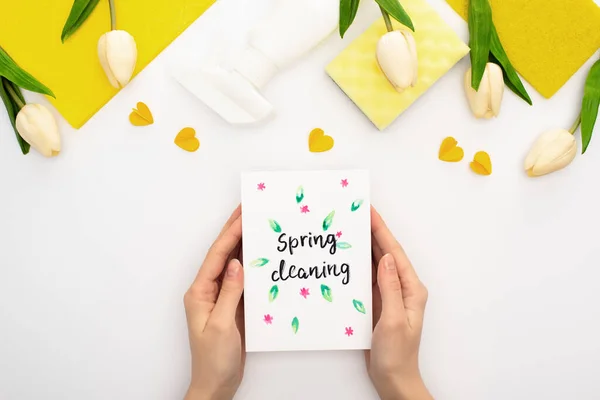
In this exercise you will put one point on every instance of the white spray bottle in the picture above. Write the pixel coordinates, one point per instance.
(291, 29)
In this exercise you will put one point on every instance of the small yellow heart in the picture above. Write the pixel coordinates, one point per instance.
(449, 151)
(141, 116)
(482, 164)
(319, 142)
(186, 139)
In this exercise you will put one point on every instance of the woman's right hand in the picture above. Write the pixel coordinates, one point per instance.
(399, 300)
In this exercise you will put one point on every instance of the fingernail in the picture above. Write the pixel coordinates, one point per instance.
(389, 262)
(233, 268)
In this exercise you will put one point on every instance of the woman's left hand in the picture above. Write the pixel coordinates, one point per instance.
(214, 309)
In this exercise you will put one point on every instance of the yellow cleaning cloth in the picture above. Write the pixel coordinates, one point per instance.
(30, 32)
(357, 73)
(547, 41)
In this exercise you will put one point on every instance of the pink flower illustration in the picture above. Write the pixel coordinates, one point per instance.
(268, 319)
(344, 183)
(261, 186)
(349, 331)
(304, 209)
(304, 292)
(339, 234)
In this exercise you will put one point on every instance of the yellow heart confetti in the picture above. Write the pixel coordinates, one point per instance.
(450, 151)
(141, 116)
(482, 164)
(318, 141)
(186, 139)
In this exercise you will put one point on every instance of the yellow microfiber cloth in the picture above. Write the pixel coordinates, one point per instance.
(357, 73)
(547, 41)
(30, 32)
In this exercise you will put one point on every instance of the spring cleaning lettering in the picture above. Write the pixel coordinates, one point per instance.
(287, 244)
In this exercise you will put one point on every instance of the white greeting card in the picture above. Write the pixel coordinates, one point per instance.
(307, 260)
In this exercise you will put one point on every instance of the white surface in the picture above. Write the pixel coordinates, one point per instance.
(322, 323)
(99, 244)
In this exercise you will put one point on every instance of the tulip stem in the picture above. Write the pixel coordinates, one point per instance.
(575, 125)
(386, 18)
(14, 95)
(113, 15)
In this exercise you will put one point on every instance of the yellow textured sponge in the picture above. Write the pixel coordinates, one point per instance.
(357, 73)
(547, 41)
(30, 32)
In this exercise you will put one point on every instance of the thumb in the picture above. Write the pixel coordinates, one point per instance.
(392, 304)
(230, 294)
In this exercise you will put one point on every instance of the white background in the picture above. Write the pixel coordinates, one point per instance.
(98, 245)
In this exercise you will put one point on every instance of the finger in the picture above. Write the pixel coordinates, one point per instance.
(239, 321)
(389, 245)
(392, 303)
(240, 253)
(376, 255)
(413, 291)
(374, 273)
(235, 254)
(376, 252)
(376, 299)
(199, 303)
(233, 286)
(218, 254)
(235, 215)
(384, 239)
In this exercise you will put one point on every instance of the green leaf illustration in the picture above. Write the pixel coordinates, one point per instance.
(348, 9)
(328, 220)
(326, 293)
(299, 194)
(295, 325)
(360, 307)
(259, 262)
(589, 107)
(356, 205)
(17, 75)
(273, 293)
(480, 27)
(343, 245)
(80, 11)
(275, 226)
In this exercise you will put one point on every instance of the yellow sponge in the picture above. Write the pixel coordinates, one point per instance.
(546, 40)
(30, 32)
(357, 73)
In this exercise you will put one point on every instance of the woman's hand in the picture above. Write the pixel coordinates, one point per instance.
(399, 300)
(215, 318)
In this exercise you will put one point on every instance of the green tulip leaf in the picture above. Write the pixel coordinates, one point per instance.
(356, 205)
(328, 220)
(348, 9)
(275, 226)
(17, 75)
(480, 28)
(396, 11)
(259, 262)
(511, 78)
(13, 109)
(326, 293)
(299, 194)
(295, 325)
(360, 307)
(343, 245)
(273, 293)
(589, 106)
(80, 12)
